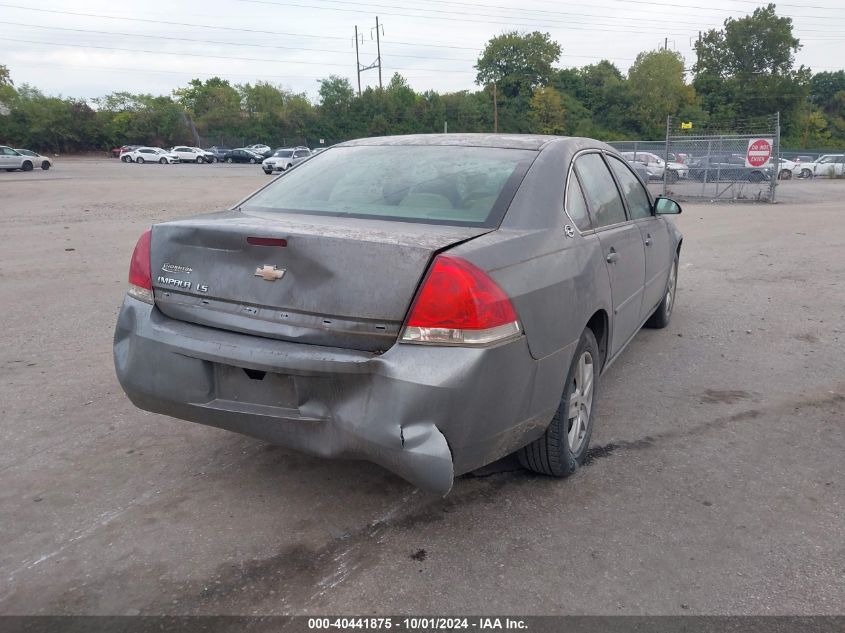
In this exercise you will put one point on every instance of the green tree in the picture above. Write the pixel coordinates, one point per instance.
(657, 87)
(746, 69)
(547, 113)
(517, 62)
(5, 76)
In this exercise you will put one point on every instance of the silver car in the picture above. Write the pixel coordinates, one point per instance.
(39, 160)
(11, 159)
(429, 303)
(283, 159)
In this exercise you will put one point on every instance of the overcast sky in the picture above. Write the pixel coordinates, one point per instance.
(87, 48)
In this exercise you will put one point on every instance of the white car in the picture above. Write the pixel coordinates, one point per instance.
(38, 160)
(143, 155)
(258, 148)
(656, 166)
(192, 154)
(282, 159)
(786, 168)
(831, 165)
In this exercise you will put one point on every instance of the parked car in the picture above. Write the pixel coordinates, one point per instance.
(260, 149)
(420, 302)
(727, 167)
(640, 169)
(10, 160)
(44, 162)
(192, 154)
(143, 155)
(786, 168)
(242, 155)
(218, 151)
(831, 165)
(117, 151)
(657, 166)
(283, 158)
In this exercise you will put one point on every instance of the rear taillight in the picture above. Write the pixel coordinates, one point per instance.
(140, 277)
(459, 304)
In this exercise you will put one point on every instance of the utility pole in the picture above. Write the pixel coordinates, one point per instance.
(665, 43)
(357, 61)
(495, 111)
(376, 63)
(378, 51)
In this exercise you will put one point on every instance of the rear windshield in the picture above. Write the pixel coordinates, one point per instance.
(468, 186)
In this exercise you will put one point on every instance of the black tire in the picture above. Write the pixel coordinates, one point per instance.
(162, 161)
(785, 174)
(552, 454)
(251, 161)
(806, 173)
(126, 159)
(27, 166)
(140, 160)
(229, 160)
(45, 165)
(269, 173)
(213, 159)
(663, 314)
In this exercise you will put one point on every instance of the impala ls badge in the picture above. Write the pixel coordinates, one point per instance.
(269, 273)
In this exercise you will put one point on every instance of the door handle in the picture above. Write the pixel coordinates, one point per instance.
(612, 256)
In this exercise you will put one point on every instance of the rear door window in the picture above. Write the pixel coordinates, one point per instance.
(600, 190)
(639, 205)
(576, 206)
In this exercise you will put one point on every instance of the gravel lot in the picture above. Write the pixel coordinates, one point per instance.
(716, 483)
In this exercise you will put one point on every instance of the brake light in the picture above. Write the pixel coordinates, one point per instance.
(140, 277)
(459, 304)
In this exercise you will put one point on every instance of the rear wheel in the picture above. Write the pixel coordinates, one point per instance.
(251, 161)
(663, 314)
(229, 160)
(45, 165)
(564, 445)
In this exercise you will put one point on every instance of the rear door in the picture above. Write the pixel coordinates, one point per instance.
(654, 232)
(622, 245)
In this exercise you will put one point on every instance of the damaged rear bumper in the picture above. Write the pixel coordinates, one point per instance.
(424, 413)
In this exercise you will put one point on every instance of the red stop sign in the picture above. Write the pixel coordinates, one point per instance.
(759, 152)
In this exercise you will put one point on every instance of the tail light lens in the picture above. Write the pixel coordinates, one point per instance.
(459, 304)
(140, 277)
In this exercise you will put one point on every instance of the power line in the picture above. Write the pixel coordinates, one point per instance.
(204, 41)
(206, 55)
(375, 5)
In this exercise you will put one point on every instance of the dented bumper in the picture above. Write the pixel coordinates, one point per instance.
(424, 413)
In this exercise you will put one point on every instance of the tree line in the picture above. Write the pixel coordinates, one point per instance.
(742, 71)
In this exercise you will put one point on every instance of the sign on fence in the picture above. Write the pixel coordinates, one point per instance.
(759, 152)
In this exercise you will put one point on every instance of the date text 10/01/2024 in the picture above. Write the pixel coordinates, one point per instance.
(417, 623)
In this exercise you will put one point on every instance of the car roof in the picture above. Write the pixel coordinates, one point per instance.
(504, 141)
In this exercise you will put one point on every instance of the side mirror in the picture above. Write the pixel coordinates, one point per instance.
(666, 206)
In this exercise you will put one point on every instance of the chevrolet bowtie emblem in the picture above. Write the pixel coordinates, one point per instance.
(269, 273)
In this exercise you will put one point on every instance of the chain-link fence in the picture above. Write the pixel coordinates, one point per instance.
(736, 161)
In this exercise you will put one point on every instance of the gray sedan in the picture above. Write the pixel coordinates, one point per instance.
(428, 303)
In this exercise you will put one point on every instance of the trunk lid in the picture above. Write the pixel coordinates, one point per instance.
(338, 282)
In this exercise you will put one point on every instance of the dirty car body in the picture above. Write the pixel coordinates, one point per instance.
(307, 315)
